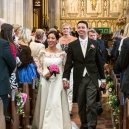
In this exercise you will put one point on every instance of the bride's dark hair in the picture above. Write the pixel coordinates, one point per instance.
(55, 33)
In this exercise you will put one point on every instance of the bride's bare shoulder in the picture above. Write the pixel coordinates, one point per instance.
(59, 50)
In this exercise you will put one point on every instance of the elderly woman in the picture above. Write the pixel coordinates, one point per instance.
(37, 45)
(27, 70)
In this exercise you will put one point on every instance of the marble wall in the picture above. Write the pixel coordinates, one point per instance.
(17, 12)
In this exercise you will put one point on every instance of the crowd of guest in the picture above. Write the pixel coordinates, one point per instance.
(21, 48)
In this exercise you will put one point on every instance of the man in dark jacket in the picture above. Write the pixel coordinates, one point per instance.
(7, 66)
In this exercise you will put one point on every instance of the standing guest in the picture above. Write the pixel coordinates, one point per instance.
(99, 36)
(125, 35)
(74, 32)
(7, 66)
(26, 70)
(17, 29)
(7, 32)
(87, 64)
(37, 45)
(122, 65)
(64, 42)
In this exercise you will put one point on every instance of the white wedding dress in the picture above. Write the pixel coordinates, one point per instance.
(51, 110)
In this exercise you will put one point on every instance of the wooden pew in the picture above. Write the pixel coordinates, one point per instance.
(126, 114)
(26, 120)
(30, 90)
(121, 108)
(14, 115)
(2, 117)
(34, 81)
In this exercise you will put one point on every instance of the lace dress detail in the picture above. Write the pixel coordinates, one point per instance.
(42, 57)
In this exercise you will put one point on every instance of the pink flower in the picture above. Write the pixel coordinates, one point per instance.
(91, 47)
(24, 97)
(54, 69)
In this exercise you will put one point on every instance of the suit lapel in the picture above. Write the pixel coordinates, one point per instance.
(88, 47)
(78, 48)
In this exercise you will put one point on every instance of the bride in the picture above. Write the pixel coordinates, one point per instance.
(51, 110)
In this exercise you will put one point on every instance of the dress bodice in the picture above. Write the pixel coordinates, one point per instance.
(46, 59)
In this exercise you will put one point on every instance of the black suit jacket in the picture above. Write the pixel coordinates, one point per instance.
(92, 62)
(122, 65)
(7, 65)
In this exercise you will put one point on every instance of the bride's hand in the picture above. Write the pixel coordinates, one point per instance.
(48, 74)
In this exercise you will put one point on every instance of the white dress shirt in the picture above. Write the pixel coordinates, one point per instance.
(83, 43)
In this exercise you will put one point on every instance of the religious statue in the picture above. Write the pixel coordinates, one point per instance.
(72, 7)
(93, 3)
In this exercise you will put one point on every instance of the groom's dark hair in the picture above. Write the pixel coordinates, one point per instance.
(84, 22)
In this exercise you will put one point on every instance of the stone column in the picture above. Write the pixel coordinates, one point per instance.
(28, 13)
(57, 13)
(127, 15)
(12, 11)
(17, 12)
(51, 13)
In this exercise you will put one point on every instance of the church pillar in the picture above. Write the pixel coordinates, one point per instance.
(51, 13)
(28, 13)
(17, 12)
(127, 15)
(57, 13)
(12, 11)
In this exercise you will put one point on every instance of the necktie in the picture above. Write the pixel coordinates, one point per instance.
(83, 47)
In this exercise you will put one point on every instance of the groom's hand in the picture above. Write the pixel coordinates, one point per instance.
(103, 84)
(65, 84)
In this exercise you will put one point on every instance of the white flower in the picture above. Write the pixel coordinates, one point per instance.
(110, 89)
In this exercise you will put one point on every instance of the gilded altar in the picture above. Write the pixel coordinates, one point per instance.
(98, 13)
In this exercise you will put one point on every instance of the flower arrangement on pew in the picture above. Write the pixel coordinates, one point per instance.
(37, 86)
(113, 100)
(21, 100)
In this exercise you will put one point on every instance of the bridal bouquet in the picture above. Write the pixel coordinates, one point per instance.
(54, 70)
(21, 100)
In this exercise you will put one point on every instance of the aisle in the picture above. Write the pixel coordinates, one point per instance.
(104, 121)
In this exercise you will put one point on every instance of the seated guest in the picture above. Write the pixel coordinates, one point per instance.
(26, 70)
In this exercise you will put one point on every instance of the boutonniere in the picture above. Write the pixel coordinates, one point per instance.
(91, 47)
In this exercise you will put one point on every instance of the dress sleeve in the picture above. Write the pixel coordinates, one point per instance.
(40, 63)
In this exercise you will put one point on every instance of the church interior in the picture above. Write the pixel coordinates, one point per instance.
(107, 16)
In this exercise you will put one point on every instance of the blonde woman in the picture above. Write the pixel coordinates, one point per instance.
(63, 44)
(37, 45)
(27, 70)
(125, 35)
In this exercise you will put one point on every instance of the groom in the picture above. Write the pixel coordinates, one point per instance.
(84, 57)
